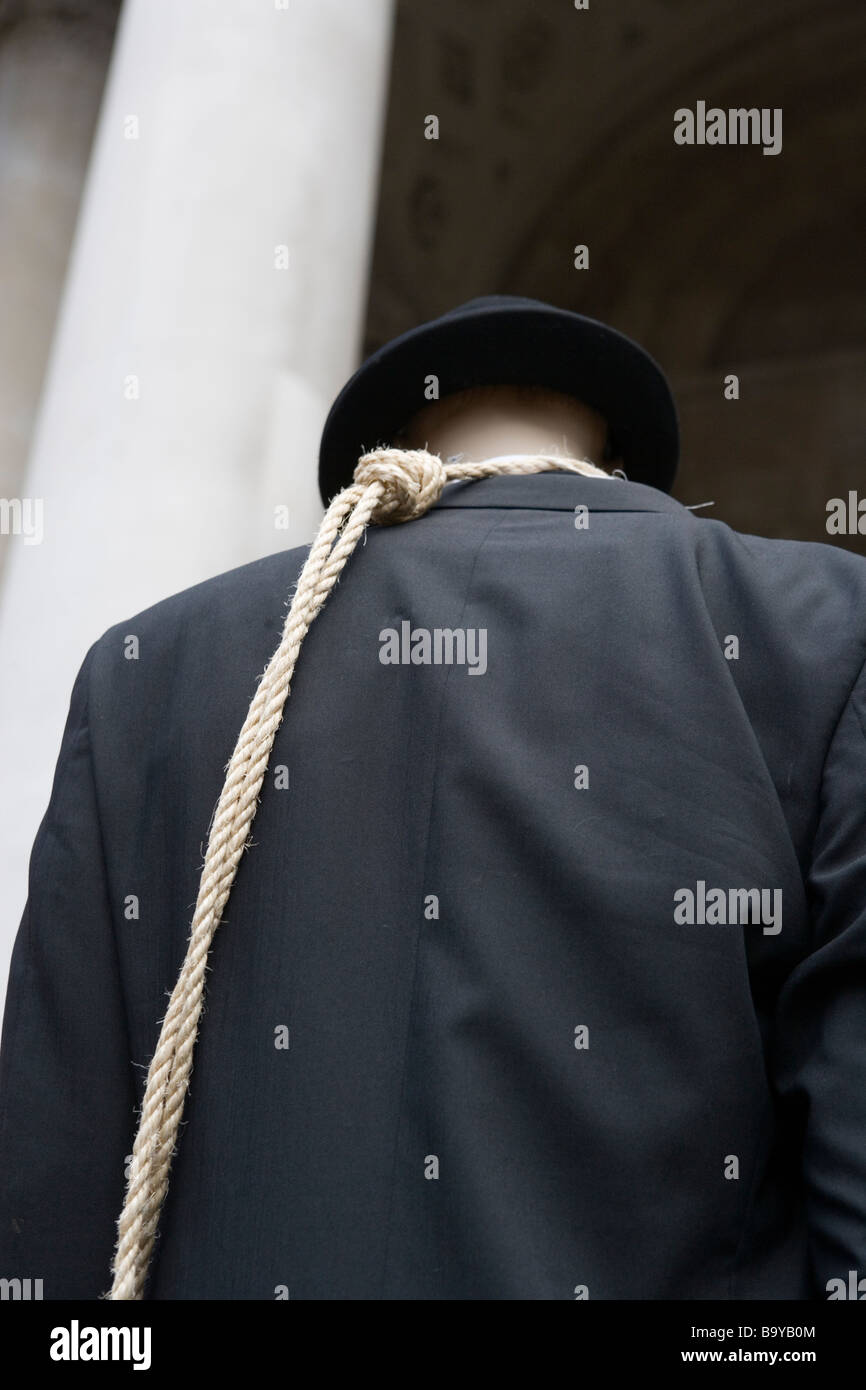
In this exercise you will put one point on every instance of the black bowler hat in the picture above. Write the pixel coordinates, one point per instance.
(504, 339)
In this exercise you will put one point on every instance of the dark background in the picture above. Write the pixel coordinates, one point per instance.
(556, 128)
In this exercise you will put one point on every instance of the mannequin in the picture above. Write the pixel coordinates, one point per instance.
(483, 422)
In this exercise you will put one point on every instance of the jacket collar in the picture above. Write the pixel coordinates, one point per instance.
(559, 492)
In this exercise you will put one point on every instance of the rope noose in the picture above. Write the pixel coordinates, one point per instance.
(390, 486)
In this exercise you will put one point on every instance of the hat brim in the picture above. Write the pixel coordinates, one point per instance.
(507, 344)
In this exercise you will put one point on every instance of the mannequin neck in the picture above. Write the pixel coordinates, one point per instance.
(482, 422)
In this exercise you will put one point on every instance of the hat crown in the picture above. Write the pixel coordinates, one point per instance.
(486, 302)
(501, 340)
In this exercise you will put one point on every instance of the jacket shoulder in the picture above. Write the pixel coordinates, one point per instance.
(217, 635)
(782, 563)
(229, 595)
(805, 600)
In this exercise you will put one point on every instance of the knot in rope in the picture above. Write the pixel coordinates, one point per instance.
(411, 481)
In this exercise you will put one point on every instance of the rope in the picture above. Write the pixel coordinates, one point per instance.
(390, 486)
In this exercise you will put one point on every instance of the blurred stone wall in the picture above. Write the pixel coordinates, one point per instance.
(53, 63)
(556, 129)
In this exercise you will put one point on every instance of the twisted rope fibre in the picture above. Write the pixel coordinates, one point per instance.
(390, 486)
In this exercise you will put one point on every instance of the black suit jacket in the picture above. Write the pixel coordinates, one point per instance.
(513, 1070)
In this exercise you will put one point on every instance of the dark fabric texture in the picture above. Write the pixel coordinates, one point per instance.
(709, 1142)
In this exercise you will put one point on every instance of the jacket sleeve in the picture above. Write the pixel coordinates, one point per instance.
(67, 1098)
(821, 1016)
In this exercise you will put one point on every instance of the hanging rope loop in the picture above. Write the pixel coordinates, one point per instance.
(390, 486)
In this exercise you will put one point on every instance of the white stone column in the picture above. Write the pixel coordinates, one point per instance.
(52, 72)
(213, 308)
